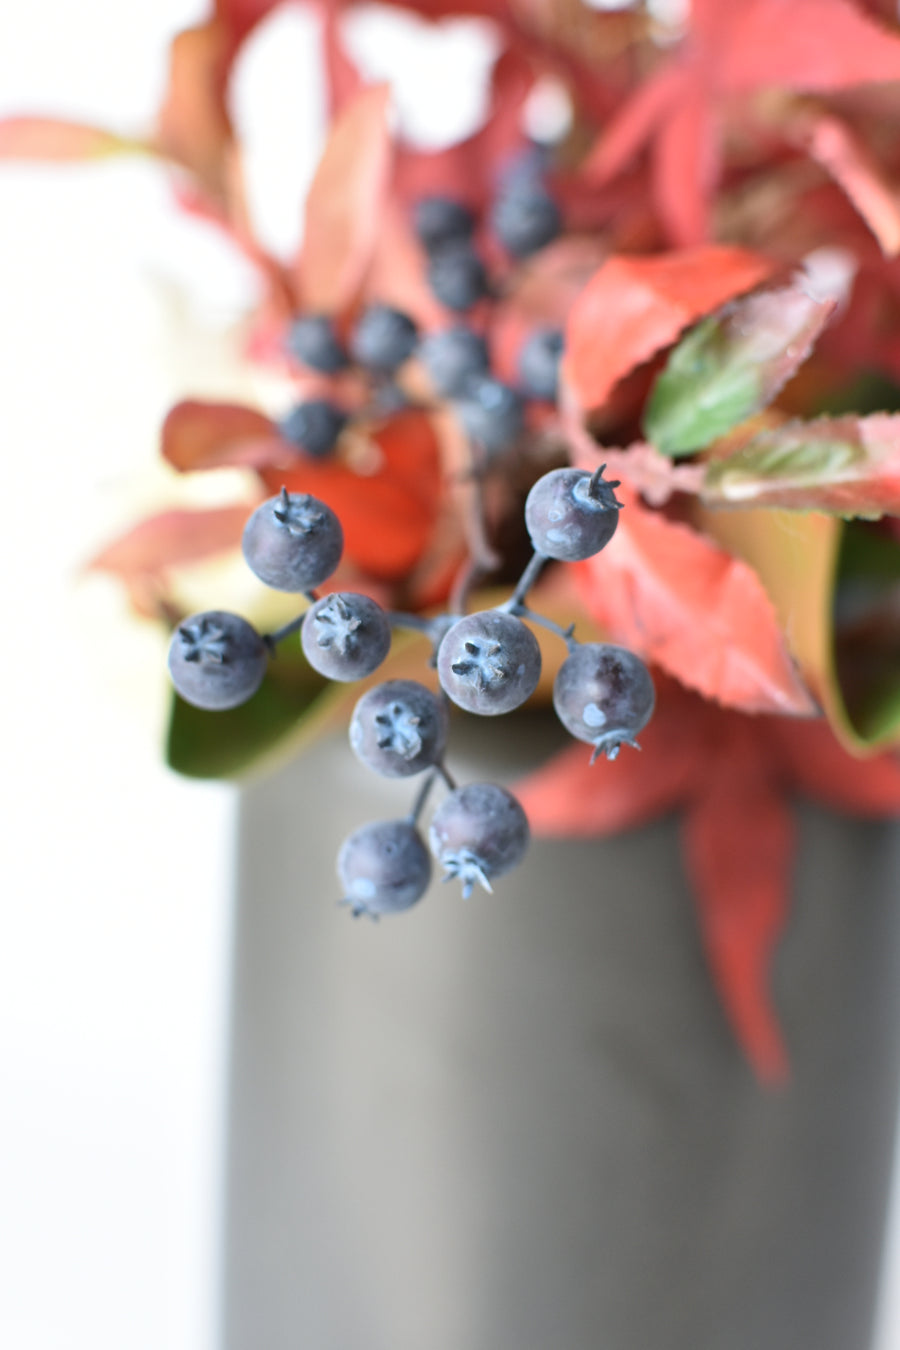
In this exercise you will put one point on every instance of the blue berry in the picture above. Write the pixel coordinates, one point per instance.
(383, 868)
(383, 339)
(345, 636)
(313, 341)
(456, 276)
(293, 542)
(525, 217)
(313, 426)
(399, 728)
(441, 220)
(452, 358)
(539, 362)
(604, 695)
(571, 514)
(477, 833)
(492, 414)
(489, 662)
(217, 660)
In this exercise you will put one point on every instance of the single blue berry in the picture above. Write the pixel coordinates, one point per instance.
(313, 341)
(604, 695)
(313, 426)
(492, 414)
(571, 514)
(217, 660)
(383, 868)
(489, 662)
(456, 276)
(345, 636)
(525, 217)
(477, 833)
(452, 358)
(293, 542)
(399, 728)
(539, 362)
(441, 220)
(383, 339)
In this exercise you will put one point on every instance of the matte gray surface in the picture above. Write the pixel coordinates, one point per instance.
(520, 1122)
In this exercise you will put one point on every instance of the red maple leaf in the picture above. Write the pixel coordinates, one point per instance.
(733, 777)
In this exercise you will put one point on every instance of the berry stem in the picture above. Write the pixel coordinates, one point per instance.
(525, 583)
(422, 796)
(482, 558)
(446, 775)
(523, 612)
(272, 639)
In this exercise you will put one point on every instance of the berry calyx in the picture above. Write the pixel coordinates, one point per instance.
(604, 695)
(383, 868)
(345, 636)
(217, 660)
(293, 542)
(399, 728)
(489, 662)
(479, 832)
(571, 514)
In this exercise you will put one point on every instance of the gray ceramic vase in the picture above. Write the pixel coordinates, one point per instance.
(520, 1122)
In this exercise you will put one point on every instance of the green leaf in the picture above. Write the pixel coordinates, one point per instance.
(290, 700)
(732, 365)
(866, 617)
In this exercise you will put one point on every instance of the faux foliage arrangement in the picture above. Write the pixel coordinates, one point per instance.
(702, 292)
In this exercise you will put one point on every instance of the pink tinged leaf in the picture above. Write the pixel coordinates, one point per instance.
(738, 841)
(634, 124)
(344, 80)
(345, 203)
(571, 797)
(811, 45)
(170, 539)
(198, 435)
(846, 158)
(679, 600)
(634, 306)
(50, 139)
(686, 167)
(848, 466)
(814, 761)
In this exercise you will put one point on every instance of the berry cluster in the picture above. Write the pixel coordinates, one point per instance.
(523, 219)
(487, 663)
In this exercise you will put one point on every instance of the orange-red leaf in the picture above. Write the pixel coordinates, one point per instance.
(199, 435)
(49, 138)
(814, 761)
(738, 840)
(812, 45)
(634, 124)
(686, 166)
(388, 513)
(635, 306)
(684, 603)
(572, 797)
(831, 142)
(344, 203)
